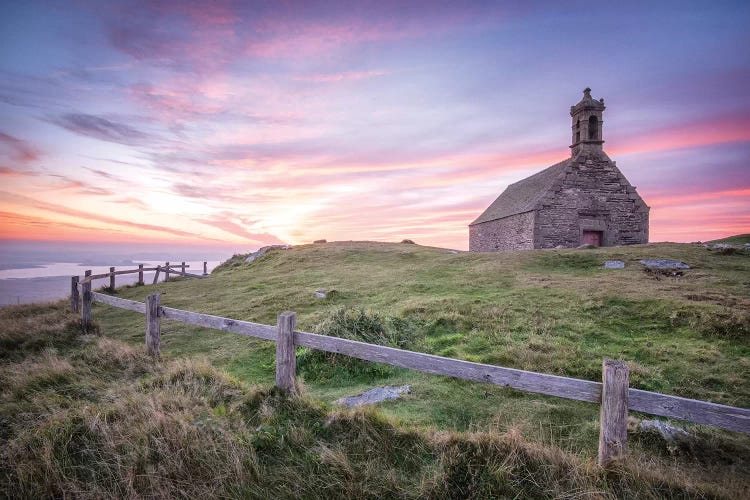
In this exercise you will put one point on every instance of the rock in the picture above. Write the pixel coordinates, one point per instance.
(614, 264)
(320, 241)
(674, 437)
(326, 294)
(376, 395)
(559, 247)
(453, 251)
(586, 247)
(719, 246)
(409, 242)
(664, 264)
(262, 251)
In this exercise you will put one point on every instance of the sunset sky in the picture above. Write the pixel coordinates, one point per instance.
(241, 124)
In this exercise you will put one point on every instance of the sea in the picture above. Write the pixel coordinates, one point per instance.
(51, 281)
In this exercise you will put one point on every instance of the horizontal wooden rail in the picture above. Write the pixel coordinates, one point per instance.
(218, 323)
(175, 265)
(702, 412)
(173, 271)
(552, 385)
(116, 273)
(131, 305)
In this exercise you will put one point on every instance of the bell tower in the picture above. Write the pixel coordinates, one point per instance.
(587, 124)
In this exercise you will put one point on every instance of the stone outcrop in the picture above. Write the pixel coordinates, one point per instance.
(262, 251)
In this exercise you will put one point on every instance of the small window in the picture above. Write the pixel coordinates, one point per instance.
(593, 128)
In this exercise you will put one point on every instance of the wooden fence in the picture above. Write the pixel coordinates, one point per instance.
(85, 283)
(613, 393)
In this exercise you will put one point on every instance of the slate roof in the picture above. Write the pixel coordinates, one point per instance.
(522, 196)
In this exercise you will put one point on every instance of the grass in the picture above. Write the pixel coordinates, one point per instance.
(739, 239)
(548, 311)
(88, 416)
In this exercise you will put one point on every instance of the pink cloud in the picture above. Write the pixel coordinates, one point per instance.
(341, 76)
(18, 154)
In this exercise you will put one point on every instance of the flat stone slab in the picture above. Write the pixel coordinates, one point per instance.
(376, 395)
(668, 432)
(664, 264)
(614, 264)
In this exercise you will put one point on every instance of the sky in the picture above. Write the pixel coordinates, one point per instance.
(241, 124)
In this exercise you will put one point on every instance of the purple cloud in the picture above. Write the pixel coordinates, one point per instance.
(101, 128)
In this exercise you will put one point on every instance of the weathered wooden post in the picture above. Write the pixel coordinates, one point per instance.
(86, 303)
(111, 279)
(166, 272)
(140, 275)
(74, 294)
(613, 421)
(156, 275)
(286, 358)
(153, 326)
(182, 268)
(205, 268)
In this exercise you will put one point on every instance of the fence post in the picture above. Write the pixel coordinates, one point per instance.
(140, 274)
(111, 279)
(156, 275)
(286, 358)
(182, 268)
(613, 421)
(153, 326)
(86, 303)
(205, 268)
(74, 294)
(166, 272)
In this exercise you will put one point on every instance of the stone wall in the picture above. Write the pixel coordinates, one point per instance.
(510, 233)
(591, 195)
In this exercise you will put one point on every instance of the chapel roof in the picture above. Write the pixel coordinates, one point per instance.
(522, 196)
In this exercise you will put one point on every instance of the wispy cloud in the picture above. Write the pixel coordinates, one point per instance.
(101, 128)
(16, 156)
(228, 222)
(92, 216)
(342, 76)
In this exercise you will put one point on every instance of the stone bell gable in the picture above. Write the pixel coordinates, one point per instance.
(584, 199)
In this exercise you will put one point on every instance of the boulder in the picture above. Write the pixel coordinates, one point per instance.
(320, 241)
(664, 264)
(409, 242)
(586, 247)
(376, 395)
(262, 251)
(614, 264)
(674, 438)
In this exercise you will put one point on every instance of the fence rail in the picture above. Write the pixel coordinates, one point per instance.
(613, 394)
(167, 269)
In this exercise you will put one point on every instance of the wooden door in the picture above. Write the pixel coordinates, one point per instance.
(592, 238)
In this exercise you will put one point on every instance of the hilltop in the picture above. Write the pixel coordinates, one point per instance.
(552, 311)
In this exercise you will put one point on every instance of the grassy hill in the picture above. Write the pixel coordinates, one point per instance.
(739, 239)
(548, 311)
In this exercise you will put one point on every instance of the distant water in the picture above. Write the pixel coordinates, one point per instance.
(46, 282)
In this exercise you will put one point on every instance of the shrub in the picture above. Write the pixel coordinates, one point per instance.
(363, 326)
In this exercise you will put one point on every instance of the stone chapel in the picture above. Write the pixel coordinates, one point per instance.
(584, 199)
